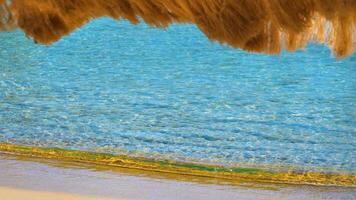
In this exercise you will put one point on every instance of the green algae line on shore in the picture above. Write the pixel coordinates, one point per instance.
(182, 168)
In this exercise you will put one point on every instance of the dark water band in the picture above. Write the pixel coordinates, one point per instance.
(181, 168)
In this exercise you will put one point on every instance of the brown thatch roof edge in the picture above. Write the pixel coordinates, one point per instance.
(254, 25)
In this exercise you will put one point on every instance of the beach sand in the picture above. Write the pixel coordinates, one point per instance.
(32, 179)
(20, 194)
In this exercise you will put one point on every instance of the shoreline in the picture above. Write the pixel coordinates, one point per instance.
(54, 180)
(229, 175)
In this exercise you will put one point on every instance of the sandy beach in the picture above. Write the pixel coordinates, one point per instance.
(47, 179)
(20, 194)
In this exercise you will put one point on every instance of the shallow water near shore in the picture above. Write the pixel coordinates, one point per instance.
(116, 88)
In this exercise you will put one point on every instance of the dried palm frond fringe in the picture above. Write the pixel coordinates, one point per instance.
(264, 26)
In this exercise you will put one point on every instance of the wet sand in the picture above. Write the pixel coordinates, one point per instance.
(44, 179)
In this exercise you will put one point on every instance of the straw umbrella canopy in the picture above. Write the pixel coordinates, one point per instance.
(264, 26)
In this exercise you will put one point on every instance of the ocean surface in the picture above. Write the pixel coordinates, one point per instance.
(113, 87)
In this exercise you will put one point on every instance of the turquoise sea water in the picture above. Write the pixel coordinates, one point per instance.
(112, 86)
